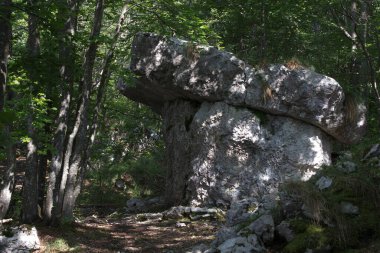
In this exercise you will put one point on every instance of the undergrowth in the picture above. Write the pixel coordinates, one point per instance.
(326, 225)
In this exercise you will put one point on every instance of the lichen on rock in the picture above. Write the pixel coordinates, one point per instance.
(232, 131)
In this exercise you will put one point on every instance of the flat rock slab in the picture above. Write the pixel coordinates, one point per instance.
(169, 69)
(232, 131)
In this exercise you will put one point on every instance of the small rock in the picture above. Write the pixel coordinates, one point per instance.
(201, 217)
(135, 203)
(187, 210)
(348, 208)
(237, 244)
(284, 230)
(199, 210)
(153, 216)
(373, 152)
(263, 227)
(346, 166)
(201, 248)
(154, 201)
(24, 240)
(212, 211)
(180, 224)
(120, 184)
(224, 234)
(241, 245)
(254, 241)
(324, 183)
(176, 212)
(241, 211)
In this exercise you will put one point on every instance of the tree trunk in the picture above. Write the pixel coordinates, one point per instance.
(68, 14)
(104, 74)
(7, 177)
(73, 164)
(30, 188)
(42, 166)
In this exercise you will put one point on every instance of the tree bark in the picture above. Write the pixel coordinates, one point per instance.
(7, 178)
(104, 74)
(68, 14)
(73, 163)
(30, 188)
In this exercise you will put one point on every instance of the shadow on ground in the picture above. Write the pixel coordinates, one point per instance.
(126, 234)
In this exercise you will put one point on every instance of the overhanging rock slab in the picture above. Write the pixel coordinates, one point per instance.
(233, 131)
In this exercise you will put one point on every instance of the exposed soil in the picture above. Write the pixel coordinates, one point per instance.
(127, 234)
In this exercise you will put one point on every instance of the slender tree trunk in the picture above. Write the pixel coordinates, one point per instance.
(42, 167)
(68, 14)
(30, 188)
(7, 177)
(104, 74)
(75, 153)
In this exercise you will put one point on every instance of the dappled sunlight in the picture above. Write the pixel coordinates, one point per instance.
(105, 235)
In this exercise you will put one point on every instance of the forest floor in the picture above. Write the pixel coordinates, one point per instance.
(126, 234)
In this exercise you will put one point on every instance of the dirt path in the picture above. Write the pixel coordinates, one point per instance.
(126, 234)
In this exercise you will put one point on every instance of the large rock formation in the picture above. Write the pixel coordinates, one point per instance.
(232, 131)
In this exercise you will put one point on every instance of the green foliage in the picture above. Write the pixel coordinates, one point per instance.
(360, 188)
(61, 245)
(312, 237)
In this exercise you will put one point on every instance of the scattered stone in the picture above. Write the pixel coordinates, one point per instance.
(24, 239)
(263, 227)
(149, 216)
(176, 212)
(346, 166)
(201, 217)
(241, 210)
(194, 213)
(373, 152)
(135, 203)
(154, 201)
(324, 183)
(223, 234)
(241, 245)
(201, 248)
(349, 208)
(284, 231)
(180, 225)
(120, 184)
(199, 210)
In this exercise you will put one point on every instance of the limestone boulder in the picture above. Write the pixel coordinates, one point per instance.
(170, 68)
(233, 132)
(233, 154)
(24, 239)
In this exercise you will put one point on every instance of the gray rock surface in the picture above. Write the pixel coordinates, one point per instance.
(348, 208)
(346, 166)
(231, 154)
(201, 248)
(283, 229)
(233, 132)
(373, 152)
(263, 227)
(24, 240)
(324, 183)
(173, 69)
(241, 245)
